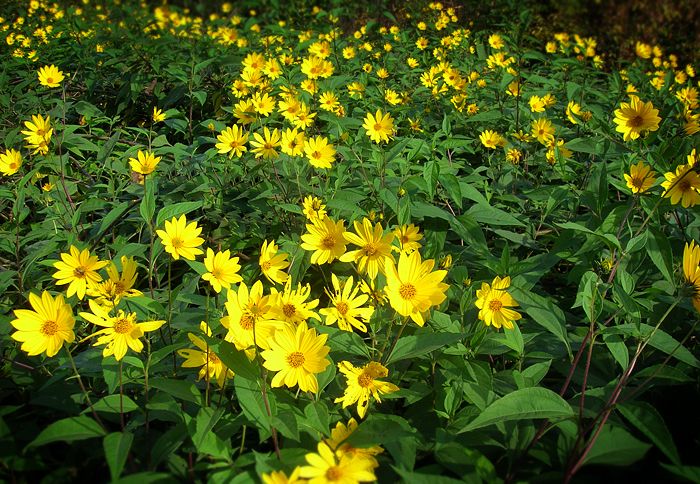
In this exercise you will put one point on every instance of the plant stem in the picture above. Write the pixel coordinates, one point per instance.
(121, 397)
(82, 387)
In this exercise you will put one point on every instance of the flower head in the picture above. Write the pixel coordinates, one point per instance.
(50, 76)
(494, 302)
(273, 264)
(408, 236)
(212, 368)
(641, 178)
(543, 130)
(222, 269)
(119, 332)
(264, 146)
(413, 287)
(492, 139)
(291, 305)
(374, 247)
(293, 142)
(328, 466)
(362, 383)
(78, 269)
(682, 186)
(326, 238)
(636, 117)
(347, 306)
(46, 327)
(232, 141)
(248, 317)
(10, 162)
(320, 153)
(297, 355)
(158, 115)
(38, 134)
(109, 292)
(181, 239)
(379, 127)
(145, 163)
(691, 270)
(314, 209)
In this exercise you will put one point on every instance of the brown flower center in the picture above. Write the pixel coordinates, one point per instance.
(364, 380)
(370, 249)
(636, 121)
(407, 291)
(79, 272)
(328, 242)
(265, 266)
(296, 359)
(377, 127)
(684, 186)
(289, 310)
(49, 328)
(123, 326)
(342, 307)
(247, 321)
(177, 242)
(334, 473)
(495, 305)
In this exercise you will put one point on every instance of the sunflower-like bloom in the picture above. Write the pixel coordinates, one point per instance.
(326, 238)
(543, 130)
(412, 287)
(232, 141)
(145, 163)
(320, 153)
(279, 477)
(313, 208)
(491, 139)
(46, 327)
(346, 306)
(264, 146)
(248, 317)
(328, 466)
(379, 127)
(682, 186)
(158, 115)
(79, 270)
(691, 270)
(293, 142)
(212, 368)
(407, 236)
(291, 305)
(273, 264)
(362, 383)
(636, 117)
(374, 247)
(222, 269)
(494, 302)
(340, 434)
(297, 355)
(10, 162)
(119, 332)
(110, 292)
(50, 76)
(641, 178)
(38, 134)
(181, 239)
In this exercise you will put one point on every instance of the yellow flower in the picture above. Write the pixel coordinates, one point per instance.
(38, 134)
(145, 164)
(279, 477)
(362, 383)
(232, 141)
(248, 317)
(408, 237)
(212, 368)
(108, 293)
(328, 101)
(296, 355)
(340, 434)
(543, 130)
(314, 209)
(643, 50)
(263, 104)
(691, 270)
(346, 306)
(265, 146)
(682, 186)
(10, 162)
(635, 117)
(273, 264)
(491, 139)
(326, 238)
(514, 155)
(379, 127)
(158, 115)
(496, 41)
(374, 247)
(120, 332)
(320, 152)
(222, 269)
(46, 327)
(494, 303)
(641, 178)
(412, 287)
(291, 305)
(79, 270)
(536, 104)
(293, 142)
(181, 239)
(327, 467)
(50, 76)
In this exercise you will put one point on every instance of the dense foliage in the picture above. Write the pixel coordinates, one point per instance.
(290, 246)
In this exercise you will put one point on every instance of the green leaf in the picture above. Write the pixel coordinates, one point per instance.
(317, 417)
(175, 210)
(660, 340)
(650, 422)
(116, 212)
(488, 215)
(180, 389)
(451, 184)
(526, 403)
(543, 312)
(616, 446)
(148, 203)
(420, 344)
(116, 446)
(379, 429)
(110, 404)
(68, 430)
(607, 238)
(691, 473)
(235, 360)
(250, 399)
(203, 436)
(659, 251)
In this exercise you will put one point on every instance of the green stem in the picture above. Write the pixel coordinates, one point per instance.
(82, 387)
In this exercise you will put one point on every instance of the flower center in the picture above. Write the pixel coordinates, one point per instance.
(247, 321)
(316, 154)
(364, 380)
(123, 326)
(49, 328)
(377, 127)
(637, 182)
(79, 272)
(636, 122)
(266, 266)
(495, 305)
(119, 288)
(342, 307)
(684, 186)
(213, 359)
(334, 473)
(328, 242)
(296, 359)
(407, 291)
(370, 249)
(177, 242)
(49, 80)
(289, 310)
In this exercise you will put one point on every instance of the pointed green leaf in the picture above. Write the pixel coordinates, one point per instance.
(116, 446)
